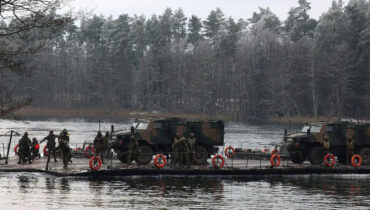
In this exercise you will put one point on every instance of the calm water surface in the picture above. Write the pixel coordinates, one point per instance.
(39, 191)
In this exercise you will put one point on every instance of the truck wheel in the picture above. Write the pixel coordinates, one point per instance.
(297, 157)
(145, 155)
(201, 155)
(122, 156)
(316, 156)
(365, 155)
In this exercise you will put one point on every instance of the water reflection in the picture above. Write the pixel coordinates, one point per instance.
(64, 185)
(185, 192)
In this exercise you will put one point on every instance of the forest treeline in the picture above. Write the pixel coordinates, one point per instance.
(252, 68)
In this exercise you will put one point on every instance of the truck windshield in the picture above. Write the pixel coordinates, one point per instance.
(134, 124)
(313, 128)
(142, 126)
(305, 128)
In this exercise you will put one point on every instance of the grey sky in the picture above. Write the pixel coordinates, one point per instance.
(235, 8)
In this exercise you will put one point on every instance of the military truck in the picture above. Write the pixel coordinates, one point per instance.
(157, 136)
(308, 143)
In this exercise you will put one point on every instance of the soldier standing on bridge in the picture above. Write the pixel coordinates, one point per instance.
(51, 144)
(133, 148)
(175, 155)
(24, 149)
(66, 152)
(350, 149)
(106, 143)
(326, 145)
(99, 145)
(193, 147)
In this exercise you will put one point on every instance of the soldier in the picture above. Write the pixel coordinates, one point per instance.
(51, 144)
(24, 149)
(106, 143)
(99, 146)
(133, 150)
(175, 155)
(326, 145)
(185, 152)
(64, 135)
(350, 149)
(35, 148)
(66, 152)
(193, 146)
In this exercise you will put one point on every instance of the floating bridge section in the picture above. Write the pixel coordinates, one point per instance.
(240, 167)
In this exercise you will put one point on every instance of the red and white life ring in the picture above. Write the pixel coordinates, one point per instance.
(16, 149)
(89, 151)
(275, 160)
(45, 150)
(356, 160)
(93, 161)
(229, 152)
(160, 160)
(216, 161)
(329, 160)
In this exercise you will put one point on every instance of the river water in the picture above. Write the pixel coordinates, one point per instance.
(33, 190)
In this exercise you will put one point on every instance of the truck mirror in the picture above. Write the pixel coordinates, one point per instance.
(309, 131)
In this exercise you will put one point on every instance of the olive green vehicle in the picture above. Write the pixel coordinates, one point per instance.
(308, 143)
(157, 135)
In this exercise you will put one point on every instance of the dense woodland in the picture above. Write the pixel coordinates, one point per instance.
(252, 68)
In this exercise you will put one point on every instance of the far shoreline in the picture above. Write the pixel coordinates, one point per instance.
(34, 113)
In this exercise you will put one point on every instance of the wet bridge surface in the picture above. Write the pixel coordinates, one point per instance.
(239, 167)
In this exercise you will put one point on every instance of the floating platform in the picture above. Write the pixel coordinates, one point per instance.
(80, 168)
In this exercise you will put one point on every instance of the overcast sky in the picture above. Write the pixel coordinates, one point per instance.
(235, 8)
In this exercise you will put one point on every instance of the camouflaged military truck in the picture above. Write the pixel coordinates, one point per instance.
(308, 143)
(157, 136)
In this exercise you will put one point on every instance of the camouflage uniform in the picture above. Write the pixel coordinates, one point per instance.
(24, 149)
(99, 146)
(66, 152)
(51, 144)
(133, 150)
(35, 152)
(193, 147)
(106, 143)
(64, 135)
(175, 155)
(350, 149)
(185, 152)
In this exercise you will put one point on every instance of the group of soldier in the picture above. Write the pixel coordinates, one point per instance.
(29, 150)
(349, 148)
(183, 150)
(101, 145)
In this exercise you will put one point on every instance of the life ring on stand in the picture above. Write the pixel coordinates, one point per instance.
(229, 152)
(275, 151)
(37, 146)
(160, 160)
(78, 149)
(275, 160)
(356, 160)
(16, 149)
(216, 163)
(89, 151)
(329, 160)
(95, 163)
(45, 150)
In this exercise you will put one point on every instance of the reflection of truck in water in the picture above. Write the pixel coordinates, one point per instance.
(157, 136)
(308, 143)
